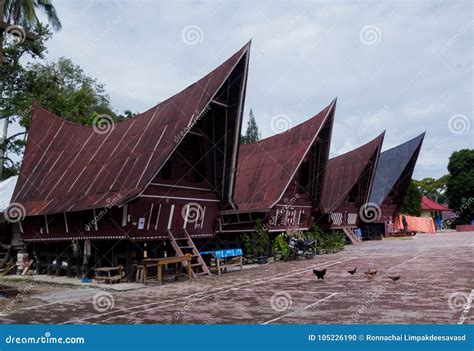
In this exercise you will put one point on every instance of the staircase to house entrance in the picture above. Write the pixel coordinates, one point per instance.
(184, 245)
(351, 235)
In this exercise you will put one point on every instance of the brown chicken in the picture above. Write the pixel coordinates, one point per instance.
(370, 274)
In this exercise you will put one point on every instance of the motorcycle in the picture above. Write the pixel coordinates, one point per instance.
(300, 248)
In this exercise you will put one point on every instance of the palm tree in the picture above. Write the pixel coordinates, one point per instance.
(25, 13)
(22, 13)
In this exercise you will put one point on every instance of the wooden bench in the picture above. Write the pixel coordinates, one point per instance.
(109, 274)
(224, 259)
(184, 260)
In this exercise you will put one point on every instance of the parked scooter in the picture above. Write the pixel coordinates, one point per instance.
(300, 248)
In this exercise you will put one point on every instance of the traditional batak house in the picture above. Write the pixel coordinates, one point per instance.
(347, 187)
(280, 178)
(115, 193)
(391, 182)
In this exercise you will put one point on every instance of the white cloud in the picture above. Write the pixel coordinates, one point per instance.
(303, 55)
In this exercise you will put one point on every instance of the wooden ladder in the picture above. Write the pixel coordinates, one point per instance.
(185, 245)
(351, 235)
(4, 255)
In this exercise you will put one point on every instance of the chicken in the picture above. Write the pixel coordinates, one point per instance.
(352, 272)
(395, 278)
(319, 273)
(370, 274)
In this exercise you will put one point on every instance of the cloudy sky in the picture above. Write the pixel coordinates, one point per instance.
(401, 66)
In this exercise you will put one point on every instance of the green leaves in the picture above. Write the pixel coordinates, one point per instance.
(25, 13)
(252, 133)
(460, 184)
(412, 202)
(433, 188)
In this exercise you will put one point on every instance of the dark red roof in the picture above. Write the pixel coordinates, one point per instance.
(266, 167)
(70, 167)
(430, 205)
(343, 172)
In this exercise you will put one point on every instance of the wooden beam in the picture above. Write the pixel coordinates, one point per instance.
(219, 103)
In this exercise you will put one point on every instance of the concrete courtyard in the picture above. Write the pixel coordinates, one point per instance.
(436, 286)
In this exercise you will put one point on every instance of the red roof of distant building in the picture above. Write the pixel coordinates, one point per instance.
(428, 204)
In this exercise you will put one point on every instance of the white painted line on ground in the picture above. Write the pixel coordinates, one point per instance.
(302, 309)
(467, 307)
(89, 297)
(295, 291)
(185, 299)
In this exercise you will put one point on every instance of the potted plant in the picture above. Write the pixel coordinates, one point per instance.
(280, 246)
(262, 242)
(248, 248)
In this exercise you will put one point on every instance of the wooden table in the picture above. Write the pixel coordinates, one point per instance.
(105, 274)
(160, 262)
(226, 258)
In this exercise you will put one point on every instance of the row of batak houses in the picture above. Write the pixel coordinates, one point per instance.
(179, 171)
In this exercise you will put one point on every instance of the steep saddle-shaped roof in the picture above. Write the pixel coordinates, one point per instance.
(391, 166)
(344, 171)
(71, 167)
(266, 167)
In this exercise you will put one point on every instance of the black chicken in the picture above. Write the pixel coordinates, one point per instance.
(352, 272)
(319, 273)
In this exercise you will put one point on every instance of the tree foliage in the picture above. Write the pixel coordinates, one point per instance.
(460, 184)
(433, 188)
(252, 133)
(25, 13)
(60, 86)
(64, 89)
(12, 71)
(412, 202)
